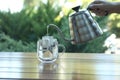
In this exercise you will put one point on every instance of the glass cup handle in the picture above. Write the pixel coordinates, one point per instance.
(63, 51)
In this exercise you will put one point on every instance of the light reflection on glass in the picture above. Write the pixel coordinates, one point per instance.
(47, 67)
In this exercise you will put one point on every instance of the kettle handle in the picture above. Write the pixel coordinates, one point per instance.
(60, 32)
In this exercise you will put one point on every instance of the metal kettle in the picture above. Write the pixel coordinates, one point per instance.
(83, 27)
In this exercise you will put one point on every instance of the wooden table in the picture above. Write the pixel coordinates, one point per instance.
(71, 66)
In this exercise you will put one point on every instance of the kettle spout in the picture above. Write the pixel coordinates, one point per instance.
(59, 31)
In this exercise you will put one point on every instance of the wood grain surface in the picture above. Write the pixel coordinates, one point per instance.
(70, 66)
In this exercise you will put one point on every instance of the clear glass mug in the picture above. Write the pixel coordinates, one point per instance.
(48, 49)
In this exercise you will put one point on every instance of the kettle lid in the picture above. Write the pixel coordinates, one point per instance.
(76, 8)
(77, 11)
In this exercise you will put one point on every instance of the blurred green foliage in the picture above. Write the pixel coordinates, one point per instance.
(28, 25)
(20, 31)
(9, 44)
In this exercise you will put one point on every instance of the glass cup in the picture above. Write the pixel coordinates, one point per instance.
(48, 49)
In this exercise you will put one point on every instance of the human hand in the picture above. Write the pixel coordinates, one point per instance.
(101, 8)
